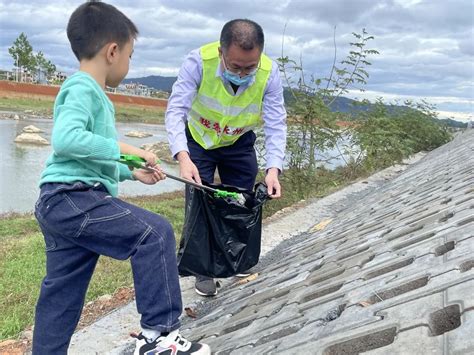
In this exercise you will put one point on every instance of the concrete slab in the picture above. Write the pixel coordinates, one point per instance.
(391, 271)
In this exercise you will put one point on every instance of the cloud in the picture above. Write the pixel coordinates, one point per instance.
(426, 46)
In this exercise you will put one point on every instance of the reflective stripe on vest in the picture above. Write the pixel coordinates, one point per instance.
(217, 118)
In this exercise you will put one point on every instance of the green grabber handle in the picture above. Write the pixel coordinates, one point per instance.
(135, 161)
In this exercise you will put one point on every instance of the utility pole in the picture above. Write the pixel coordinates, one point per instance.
(16, 67)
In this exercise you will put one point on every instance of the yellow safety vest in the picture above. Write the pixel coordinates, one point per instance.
(217, 118)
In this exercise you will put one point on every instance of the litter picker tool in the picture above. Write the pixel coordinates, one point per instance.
(135, 161)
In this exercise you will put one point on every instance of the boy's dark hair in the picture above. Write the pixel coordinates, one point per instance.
(94, 24)
(242, 32)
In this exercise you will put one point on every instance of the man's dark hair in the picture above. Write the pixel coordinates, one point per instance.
(242, 32)
(94, 24)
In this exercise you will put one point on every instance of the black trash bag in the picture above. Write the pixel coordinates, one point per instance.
(221, 236)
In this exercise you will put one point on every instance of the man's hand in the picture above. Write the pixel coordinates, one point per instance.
(187, 169)
(149, 177)
(273, 185)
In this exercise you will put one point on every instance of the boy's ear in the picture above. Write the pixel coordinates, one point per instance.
(111, 52)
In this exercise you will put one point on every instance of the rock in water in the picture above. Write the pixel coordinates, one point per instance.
(32, 129)
(138, 134)
(31, 138)
(161, 150)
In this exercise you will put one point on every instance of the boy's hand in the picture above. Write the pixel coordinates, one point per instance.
(149, 157)
(128, 149)
(149, 177)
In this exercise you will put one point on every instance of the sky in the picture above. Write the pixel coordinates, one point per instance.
(426, 47)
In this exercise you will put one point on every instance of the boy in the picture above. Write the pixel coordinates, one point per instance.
(78, 211)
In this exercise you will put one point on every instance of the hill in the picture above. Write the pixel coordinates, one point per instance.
(341, 104)
(163, 83)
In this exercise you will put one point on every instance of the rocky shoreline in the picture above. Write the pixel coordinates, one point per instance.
(22, 115)
(31, 135)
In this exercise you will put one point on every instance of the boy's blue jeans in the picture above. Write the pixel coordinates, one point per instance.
(80, 223)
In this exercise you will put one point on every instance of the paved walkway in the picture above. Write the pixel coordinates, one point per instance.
(384, 266)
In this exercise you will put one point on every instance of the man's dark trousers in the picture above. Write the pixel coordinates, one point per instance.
(236, 164)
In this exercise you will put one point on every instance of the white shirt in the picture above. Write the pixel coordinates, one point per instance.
(185, 89)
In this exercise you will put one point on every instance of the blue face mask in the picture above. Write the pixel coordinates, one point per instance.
(236, 79)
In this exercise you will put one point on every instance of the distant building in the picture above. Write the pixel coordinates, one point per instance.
(41, 77)
(137, 89)
(23, 75)
(470, 124)
(160, 94)
(6, 75)
(57, 78)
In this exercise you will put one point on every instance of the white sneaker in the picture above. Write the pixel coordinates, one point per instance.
(171, 344)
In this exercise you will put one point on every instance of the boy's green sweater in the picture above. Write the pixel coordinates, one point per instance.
(84, 138)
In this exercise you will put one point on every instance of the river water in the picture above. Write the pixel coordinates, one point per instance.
(21, 164)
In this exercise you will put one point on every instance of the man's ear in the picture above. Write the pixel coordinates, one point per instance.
(111, 52)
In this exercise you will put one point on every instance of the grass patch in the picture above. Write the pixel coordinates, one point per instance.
(169, 205)
(22, 263)
(41, 106)
(17, 225)
(140, 114)
(296, 187)
(44, 107)
(22, 258)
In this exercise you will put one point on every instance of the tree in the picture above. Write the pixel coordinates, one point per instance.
(374, 138)
(44, 65)
(22, 53)
(390, 133)
(24, 57)
(314, 126)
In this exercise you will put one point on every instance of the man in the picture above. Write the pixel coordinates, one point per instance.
(223, 91)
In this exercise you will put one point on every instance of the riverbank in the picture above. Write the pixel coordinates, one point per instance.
(279, 223)
(42, 107)
(23, 164)
(22, 250)
(28, 90)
